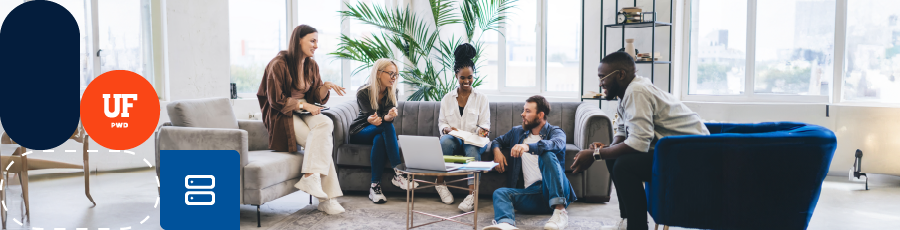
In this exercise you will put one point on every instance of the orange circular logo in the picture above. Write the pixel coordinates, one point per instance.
(119, 110)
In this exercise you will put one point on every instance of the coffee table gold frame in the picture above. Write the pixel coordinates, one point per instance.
(411, 195)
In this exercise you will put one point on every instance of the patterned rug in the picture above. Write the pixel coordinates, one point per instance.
(362, 214)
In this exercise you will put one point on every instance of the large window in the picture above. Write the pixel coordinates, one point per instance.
(539, 49)
(563, 56)
(121, 37)
(740, 51)
(792, 54)
(257, 33)
(872, 59)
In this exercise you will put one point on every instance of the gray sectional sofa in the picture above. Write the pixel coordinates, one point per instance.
(210, 124)
(583, 123)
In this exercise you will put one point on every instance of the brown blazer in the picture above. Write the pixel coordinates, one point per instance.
(278, 107)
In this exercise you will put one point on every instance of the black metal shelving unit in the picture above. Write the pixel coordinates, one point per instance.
(653, 25)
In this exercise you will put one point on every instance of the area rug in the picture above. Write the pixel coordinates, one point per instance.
(361, 214)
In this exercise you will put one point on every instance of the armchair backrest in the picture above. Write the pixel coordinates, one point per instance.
(202, 113)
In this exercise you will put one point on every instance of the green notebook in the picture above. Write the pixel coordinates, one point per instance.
(457, 159)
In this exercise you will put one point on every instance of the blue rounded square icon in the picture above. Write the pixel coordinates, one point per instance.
(199, 189)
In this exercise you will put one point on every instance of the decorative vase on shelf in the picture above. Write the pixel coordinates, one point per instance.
(629, 48)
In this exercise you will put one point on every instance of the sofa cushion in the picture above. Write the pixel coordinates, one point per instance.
(267, 168)
(356, 155)
(202, 113)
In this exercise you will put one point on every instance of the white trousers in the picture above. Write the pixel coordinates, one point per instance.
(314, 133)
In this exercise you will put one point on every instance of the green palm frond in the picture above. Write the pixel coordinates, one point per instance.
(417, 41)
(443, 12)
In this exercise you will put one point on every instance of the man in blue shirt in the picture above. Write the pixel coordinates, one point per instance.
(538, 151)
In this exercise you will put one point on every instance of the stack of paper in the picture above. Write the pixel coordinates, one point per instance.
(479, 166)
(470, 138)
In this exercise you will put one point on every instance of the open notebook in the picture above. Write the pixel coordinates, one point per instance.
(470, 138)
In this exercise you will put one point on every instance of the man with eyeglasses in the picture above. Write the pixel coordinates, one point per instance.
(646, 114)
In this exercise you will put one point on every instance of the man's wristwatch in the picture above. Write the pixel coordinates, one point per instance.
(597, 156)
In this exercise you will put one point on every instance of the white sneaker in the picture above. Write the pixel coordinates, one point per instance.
(330, 206)
(559, 220)
(445, 194)
(501, 226)
(623, 224)
(468, 204)
(401, 182)
(375, 194)
(312, 185)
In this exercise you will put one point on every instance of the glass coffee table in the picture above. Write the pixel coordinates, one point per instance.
(411, 195)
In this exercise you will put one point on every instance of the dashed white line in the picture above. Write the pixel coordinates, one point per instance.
(93, 151)
(145, 219)
(26, 153)
(129, 152)
(48, 151)
(148, 163)
(157, 203)
(157, 181)
(81, 229)
(14, 219)
(114, 151)
(1, 184)
(10, 165)
(4, 206)
(59, 228)
(125, 228)
(70, 151)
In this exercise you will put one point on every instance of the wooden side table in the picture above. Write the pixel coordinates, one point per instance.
(411, 195)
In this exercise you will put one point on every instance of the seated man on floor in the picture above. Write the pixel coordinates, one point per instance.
(646, 114)
(539, 149)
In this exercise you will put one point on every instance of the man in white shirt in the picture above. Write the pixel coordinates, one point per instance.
(646, 114)
(538, 150)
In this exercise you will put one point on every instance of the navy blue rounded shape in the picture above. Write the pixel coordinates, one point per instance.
(39, 81)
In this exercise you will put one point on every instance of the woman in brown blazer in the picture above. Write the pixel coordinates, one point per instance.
(292, 82)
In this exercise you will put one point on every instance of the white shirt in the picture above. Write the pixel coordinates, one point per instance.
(647, 114)
(476, 112)
(530, 167)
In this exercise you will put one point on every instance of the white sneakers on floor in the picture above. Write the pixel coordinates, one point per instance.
(312, 185)
(445, 194)
(559, 220)
(375, 194)
(468, 204)
(500, 226)
(623, 224)
(330, 206)
(401, 182)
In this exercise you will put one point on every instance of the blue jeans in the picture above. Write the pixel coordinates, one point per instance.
(384, 141)
(539, 198)
(450, 145)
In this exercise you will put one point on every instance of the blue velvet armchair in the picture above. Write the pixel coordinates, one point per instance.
(742, 176)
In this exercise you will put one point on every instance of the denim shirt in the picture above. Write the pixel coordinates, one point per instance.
(553, 140)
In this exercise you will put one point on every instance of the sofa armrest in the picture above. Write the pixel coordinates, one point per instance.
(342, 114)
(257, 134)
(591, 125)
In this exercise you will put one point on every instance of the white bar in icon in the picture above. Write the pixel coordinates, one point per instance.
(188, 201)
(188, 182)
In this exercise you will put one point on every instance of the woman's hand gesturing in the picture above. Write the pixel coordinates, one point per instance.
(337, 89)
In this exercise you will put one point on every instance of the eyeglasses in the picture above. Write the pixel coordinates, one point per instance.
(393, 74)
(607, 75)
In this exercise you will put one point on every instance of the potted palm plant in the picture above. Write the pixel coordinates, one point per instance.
(427, 59)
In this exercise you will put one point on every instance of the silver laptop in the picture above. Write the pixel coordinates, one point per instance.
(423, 153)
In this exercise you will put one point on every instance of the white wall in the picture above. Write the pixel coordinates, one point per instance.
(196, 49)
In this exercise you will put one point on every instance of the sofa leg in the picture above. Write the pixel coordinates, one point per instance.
(656, 227)
(258, 223)
(310, 199)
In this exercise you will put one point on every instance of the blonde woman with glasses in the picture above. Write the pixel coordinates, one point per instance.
(378, 108)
